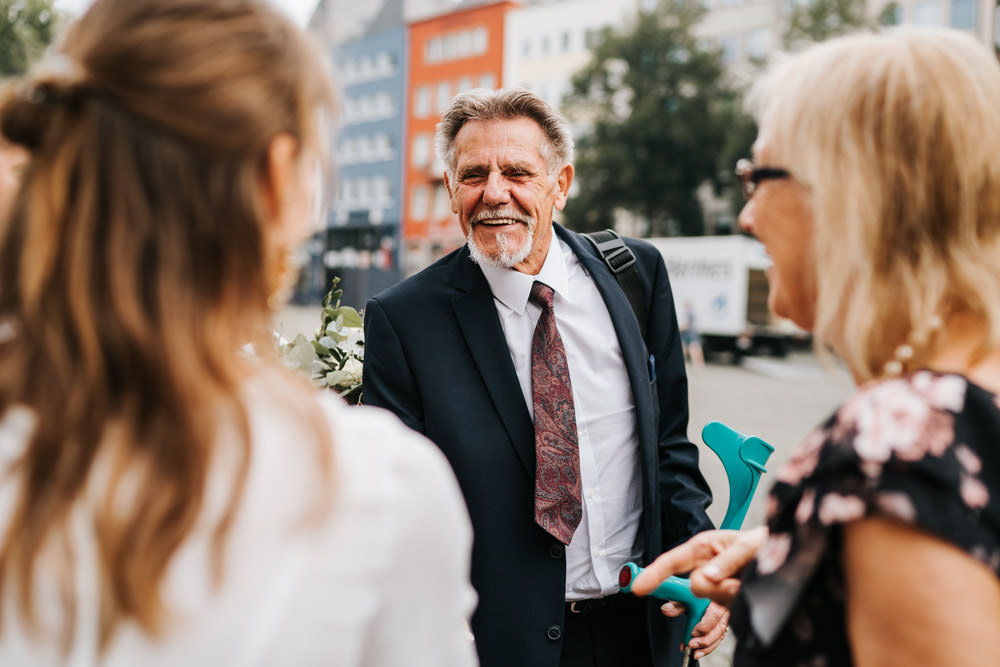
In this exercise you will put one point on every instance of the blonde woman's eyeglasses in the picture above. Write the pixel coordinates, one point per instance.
(751, 175)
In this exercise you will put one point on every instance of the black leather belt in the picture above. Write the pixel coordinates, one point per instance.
(593, 604)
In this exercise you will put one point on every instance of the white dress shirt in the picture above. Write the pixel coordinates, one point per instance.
(604, 406)
(382, 580)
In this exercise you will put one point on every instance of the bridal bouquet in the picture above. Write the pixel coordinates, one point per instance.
(334, 357)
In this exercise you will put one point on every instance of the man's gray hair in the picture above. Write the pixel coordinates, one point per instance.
(505, 104)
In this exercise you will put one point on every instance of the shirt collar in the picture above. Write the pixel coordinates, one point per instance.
(512, 288)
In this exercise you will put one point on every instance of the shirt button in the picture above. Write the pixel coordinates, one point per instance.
(554, 632)
(556, 551)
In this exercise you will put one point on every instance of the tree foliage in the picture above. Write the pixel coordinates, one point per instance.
(817, 20)
(657, 110)
(26, 29)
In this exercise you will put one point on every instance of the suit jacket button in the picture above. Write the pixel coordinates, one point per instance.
(556, 551)
(554, 632)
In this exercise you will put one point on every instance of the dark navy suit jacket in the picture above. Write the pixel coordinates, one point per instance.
(435, 355)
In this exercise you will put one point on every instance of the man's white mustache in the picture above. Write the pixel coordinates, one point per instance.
(501, 214)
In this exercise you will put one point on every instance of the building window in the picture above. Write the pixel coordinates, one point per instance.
(383, 105)
(465, 83)
(730, 45)
(566, 40)
(382, 146)
(758, 43)
(421, 150)
(928, 13)
(435, 50)
(963, 14)
(442, 205)
(526, 48)
(383, 192)
(443, 96)
(350, 193)
(480, 41)
(488, 81)
(385, 64)
(422, 102)
(418, 203)
(457, 45)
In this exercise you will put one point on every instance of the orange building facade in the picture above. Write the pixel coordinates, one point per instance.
(448, 54)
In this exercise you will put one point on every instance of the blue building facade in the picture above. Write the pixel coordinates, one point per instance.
(361, 243)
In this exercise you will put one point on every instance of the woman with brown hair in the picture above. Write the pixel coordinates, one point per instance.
(875, 188)
(165, 499)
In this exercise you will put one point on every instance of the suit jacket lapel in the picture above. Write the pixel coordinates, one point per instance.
(477, 317)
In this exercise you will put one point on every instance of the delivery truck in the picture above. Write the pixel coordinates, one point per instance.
(720, 282)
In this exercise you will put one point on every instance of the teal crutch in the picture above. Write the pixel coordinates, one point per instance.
(743, 457)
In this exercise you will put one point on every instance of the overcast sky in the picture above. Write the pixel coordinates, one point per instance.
(300, 10)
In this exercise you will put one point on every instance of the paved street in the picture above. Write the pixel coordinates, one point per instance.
(779, 400)
(297, 319)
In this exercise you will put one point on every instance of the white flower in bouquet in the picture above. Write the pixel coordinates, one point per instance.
(334, 357)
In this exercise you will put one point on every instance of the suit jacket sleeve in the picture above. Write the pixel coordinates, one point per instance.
(684, 493)
(388, 381)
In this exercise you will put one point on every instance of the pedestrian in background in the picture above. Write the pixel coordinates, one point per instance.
(875, 189)
(690, 337)
(164, 499)
(520, 357)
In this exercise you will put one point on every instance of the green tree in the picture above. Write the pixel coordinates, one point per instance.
(26, 29)
(658, 110)
(817, 20)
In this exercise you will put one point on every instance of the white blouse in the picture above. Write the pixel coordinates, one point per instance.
(382, 580)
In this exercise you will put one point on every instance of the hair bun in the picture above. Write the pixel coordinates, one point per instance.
(26, 112)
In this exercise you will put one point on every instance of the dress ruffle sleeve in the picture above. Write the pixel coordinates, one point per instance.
(918, 450)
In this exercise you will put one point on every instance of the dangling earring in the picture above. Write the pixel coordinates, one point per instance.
(283, 278)
(905, 352)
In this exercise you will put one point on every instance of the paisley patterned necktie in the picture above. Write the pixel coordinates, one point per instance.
(558, 505)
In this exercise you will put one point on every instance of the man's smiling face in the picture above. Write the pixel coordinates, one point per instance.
(503, 192)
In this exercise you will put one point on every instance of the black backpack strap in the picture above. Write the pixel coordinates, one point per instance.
(621, 260)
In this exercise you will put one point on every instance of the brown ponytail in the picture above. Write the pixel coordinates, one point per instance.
(134, 265)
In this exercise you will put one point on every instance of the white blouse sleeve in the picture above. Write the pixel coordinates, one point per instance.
(426, 598)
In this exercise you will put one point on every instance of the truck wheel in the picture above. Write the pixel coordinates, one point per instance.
(779, 347)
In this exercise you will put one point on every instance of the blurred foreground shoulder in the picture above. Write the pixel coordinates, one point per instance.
(423, 534)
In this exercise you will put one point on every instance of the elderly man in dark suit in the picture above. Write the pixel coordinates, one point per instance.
(520, 357)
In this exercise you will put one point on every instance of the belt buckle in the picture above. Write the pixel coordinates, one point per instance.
(573, 609)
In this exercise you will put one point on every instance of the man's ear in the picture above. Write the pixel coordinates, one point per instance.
(451, 195)
(280, 178)
(563, 181)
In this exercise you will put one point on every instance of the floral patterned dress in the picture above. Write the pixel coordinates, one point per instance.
(923, 450)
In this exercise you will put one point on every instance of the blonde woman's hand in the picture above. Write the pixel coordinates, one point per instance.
(715, 559)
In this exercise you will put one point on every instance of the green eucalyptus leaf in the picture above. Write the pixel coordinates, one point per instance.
(351, 317)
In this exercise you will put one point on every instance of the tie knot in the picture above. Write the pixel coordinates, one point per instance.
(541, 295)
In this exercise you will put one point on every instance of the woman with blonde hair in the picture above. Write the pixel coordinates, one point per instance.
(166, 499)
(875, 188)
